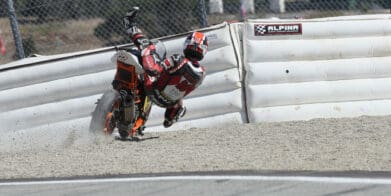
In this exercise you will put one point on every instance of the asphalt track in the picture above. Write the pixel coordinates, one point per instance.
(212, 183)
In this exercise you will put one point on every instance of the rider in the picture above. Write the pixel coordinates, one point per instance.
(167, 81)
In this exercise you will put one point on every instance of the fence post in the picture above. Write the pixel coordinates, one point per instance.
(216, 6)
(202, 10)
(277, 6)
(15, 30)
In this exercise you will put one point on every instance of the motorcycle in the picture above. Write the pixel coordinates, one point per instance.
(125, 108)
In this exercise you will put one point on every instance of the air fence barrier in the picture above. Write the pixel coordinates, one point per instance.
(256, 71)
(58, 94)
(331, 67)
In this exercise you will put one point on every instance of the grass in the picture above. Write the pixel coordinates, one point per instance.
(54, 37)
(8, 40)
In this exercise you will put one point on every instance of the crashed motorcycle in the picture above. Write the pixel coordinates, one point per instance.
(126, 107)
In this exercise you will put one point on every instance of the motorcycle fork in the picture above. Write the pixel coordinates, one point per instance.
(128, 109)
(139, 121)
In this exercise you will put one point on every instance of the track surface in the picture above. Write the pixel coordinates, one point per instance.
(350, 144)
(286, 183)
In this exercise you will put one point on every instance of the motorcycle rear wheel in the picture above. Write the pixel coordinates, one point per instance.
(102, 110)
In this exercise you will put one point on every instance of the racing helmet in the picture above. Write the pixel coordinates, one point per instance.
(196, 46)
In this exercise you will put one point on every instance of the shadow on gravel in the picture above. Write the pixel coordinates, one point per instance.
(136, 139)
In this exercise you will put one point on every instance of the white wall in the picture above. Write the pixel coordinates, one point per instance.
(334, 62)
(65, 88)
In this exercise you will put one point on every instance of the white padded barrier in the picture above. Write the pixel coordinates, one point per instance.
(334, 67)
(48, 68)
(323, 110)
(53, 91)
(47, 113)
(46, 92)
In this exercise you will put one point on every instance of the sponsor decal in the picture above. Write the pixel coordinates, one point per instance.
(277, 29)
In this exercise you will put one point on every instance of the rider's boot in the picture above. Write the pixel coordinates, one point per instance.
(140, 130)
(128, 21)
(132, 13)
(169, 122)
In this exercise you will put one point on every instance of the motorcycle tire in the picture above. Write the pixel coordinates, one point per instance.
(103, 107)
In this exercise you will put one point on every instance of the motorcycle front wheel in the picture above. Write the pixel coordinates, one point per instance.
(102, 110)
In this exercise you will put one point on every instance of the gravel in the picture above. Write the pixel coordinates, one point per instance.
(344, 144)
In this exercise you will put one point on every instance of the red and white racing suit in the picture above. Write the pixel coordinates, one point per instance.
(167, 81)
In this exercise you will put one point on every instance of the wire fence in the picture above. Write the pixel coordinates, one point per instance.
(60, 26)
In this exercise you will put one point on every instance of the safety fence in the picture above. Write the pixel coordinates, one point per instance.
(59, 26)
(261, 70)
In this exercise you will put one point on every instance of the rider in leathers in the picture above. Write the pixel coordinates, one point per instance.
(167, 81)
